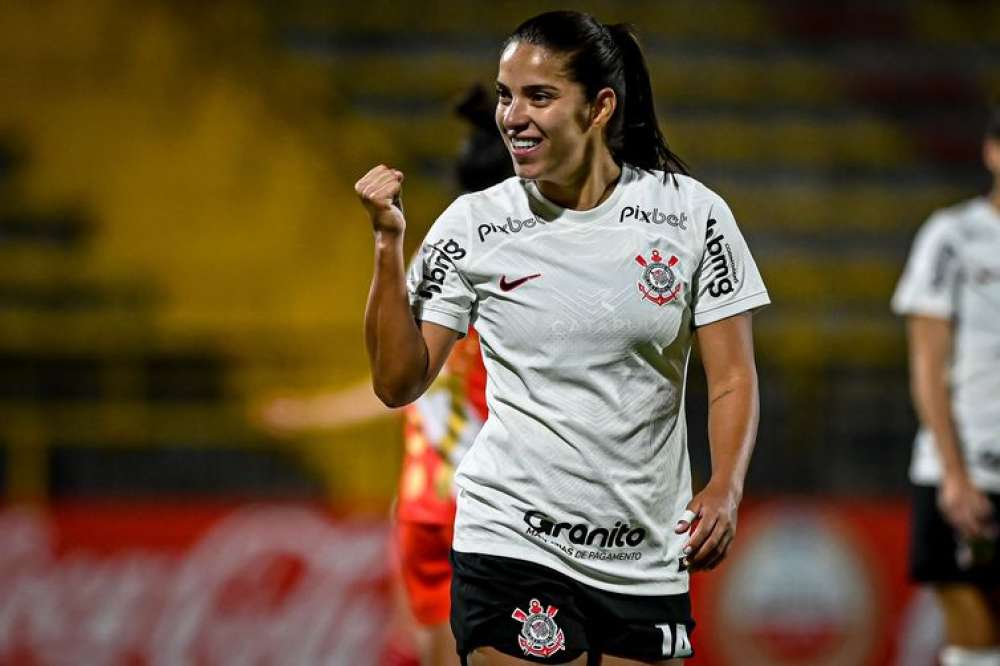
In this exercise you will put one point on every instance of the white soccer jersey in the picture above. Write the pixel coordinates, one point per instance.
(954, 273)
(585, 320)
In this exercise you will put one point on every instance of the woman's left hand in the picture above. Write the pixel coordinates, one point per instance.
(711, 521)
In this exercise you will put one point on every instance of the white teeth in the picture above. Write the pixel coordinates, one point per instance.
(524, 143)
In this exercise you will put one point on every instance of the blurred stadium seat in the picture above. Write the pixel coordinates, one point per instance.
(178, 236)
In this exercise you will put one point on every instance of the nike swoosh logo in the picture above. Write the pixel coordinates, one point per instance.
(514, 284)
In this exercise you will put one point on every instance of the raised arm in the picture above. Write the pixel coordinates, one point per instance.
(727, 353)
(930, 343)
(404, 357)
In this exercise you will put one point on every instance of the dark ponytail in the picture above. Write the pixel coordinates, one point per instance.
(642, 142)
(601, 56)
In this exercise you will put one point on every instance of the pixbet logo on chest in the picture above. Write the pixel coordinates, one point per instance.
(653, 217)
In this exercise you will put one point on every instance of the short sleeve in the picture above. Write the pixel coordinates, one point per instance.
(436, 282)
(727, 281)
(927, 286)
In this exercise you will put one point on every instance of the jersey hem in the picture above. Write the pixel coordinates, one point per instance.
(988, 483)
(545, 559)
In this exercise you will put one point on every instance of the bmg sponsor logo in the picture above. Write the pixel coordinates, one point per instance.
(441, 258)
(722, 265)
(512, 226)
(654, 216)
(946, 255)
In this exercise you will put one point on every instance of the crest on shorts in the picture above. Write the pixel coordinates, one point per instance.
(659, 283)
(540, 635)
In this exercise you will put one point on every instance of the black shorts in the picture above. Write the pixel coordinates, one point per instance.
(939, 555)
(537, 614)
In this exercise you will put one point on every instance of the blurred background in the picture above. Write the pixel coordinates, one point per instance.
(180, 243)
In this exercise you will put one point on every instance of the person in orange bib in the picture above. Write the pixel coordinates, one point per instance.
(438, 429)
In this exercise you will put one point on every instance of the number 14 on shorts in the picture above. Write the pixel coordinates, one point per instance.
(675, 641)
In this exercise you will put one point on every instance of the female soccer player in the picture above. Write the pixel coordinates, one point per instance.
(587, 275)
(950, 294)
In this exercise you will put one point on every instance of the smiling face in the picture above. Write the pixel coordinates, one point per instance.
(547, 123)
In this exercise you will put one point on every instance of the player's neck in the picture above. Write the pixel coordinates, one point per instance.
(994, 195)
(587, 189)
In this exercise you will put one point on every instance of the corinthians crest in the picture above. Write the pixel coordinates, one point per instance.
(540, 635)
(659, 282)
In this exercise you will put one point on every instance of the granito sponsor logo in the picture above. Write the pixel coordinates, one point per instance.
(620, 535)
(654, 216)
(512, 226)
(440, 258)
(722, 264)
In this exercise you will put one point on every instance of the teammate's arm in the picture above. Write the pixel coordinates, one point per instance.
(930, 345)
(293, 414)
(726, 348)
(404, 357)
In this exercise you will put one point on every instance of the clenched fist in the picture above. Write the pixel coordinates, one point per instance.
(380, 190)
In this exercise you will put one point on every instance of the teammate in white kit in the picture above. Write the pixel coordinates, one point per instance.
(950, 294)
(587, 275)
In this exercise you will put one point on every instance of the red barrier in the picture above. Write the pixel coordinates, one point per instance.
(170, 585)
(819, 583)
